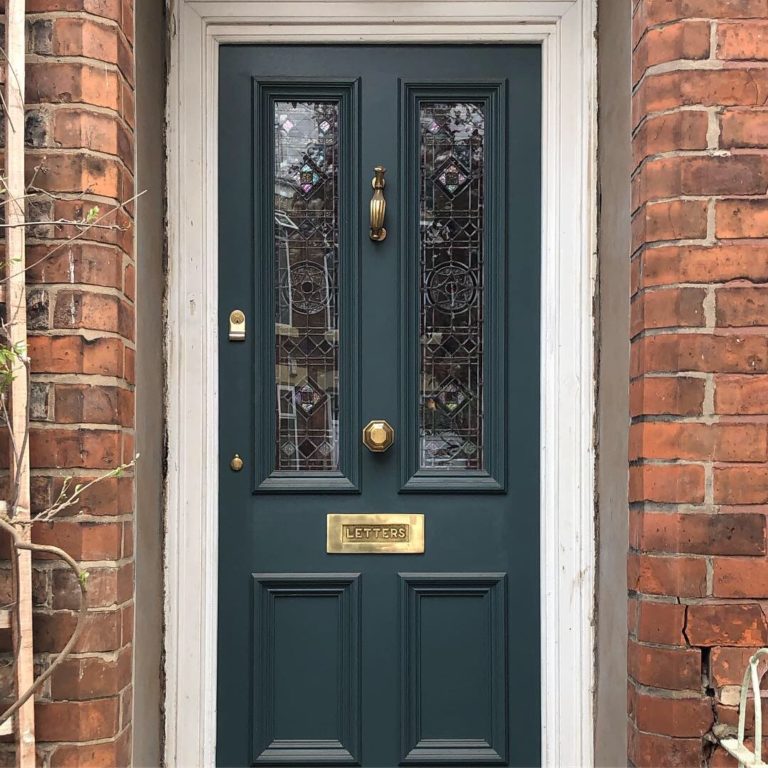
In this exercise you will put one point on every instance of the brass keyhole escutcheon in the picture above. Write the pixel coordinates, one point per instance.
(236, 464)
(378, 435)
(237, 325)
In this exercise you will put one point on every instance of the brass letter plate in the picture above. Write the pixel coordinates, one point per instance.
(375, 534)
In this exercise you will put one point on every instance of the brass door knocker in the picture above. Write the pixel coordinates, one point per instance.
(378, 205)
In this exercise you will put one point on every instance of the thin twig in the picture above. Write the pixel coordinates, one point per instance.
(83, 609)
(119, 207)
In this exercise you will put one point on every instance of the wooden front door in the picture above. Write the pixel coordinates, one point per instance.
(425, 654)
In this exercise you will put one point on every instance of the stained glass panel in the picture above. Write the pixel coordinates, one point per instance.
(306, 195)
(451, 197)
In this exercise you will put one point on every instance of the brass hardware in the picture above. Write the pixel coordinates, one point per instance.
(237, 325)
(375, 534)
(378, 205)
(378, 435)
(236, 464)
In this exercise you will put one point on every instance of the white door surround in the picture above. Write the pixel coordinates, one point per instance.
(565, 29)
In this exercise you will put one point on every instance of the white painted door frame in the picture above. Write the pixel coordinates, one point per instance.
(565, 30)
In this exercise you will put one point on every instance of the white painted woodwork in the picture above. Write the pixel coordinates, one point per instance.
(565, 29)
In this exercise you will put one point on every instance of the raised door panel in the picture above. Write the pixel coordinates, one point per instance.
(454, 668)
(306, 669)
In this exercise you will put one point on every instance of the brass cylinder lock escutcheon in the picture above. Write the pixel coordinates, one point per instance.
(378, 435)
(237, 325)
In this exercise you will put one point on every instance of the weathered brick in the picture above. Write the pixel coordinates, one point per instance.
(673, 716)
(101, 633)
(670, 220)
(703, 534)
(652, 12)
(665, 177)
(673, 576)
(741, 485)
(674, 483)
(679, 40)
(670, 308)
(667, 395)
(670, 132)
(744, 128)
(67, 82)
(75, 354)
(680, 352)
(741, 218)
(691, 264)
(87, 448)
(38, 310)
(75, 263)
(36, 128)
(76, 403)
(742, 41)
(79, 128)
(129, 282)
(108, 9)
(660, 623)
(703, 87)
(76, 721)
(745, 395)
(79, 678)
(740, 577)
(102, 589)
(726, 624)
(40, 398)
(743, 306)
(650, 750)
(699, 442)
(77, 36)
(80, 309)
(81, 540)
(102, 755)
(727, 665)
(671, 668)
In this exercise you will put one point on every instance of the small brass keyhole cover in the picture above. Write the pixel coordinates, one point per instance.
(378, 435)
(237, 325)
(236, 464)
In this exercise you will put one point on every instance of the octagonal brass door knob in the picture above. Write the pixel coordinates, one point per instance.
(378, 435)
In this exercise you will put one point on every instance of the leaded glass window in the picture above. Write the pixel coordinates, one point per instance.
(451, 306)
(306, 226)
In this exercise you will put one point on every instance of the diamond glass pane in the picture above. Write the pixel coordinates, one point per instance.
(306, 196)
(451, 194)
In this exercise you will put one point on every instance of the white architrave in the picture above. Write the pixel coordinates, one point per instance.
(565, 29)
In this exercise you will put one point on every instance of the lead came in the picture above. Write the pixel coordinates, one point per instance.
(451, 191)
(306, 195)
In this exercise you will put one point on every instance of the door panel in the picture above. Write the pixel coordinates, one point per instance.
(306, 690)
(379, 659)
(454, 680)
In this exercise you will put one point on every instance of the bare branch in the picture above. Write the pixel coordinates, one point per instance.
(119, 207)
(83, 609)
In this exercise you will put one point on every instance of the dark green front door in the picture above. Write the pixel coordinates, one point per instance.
(379, 659)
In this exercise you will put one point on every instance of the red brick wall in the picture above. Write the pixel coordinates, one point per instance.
(698, 571)
(79, 132)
